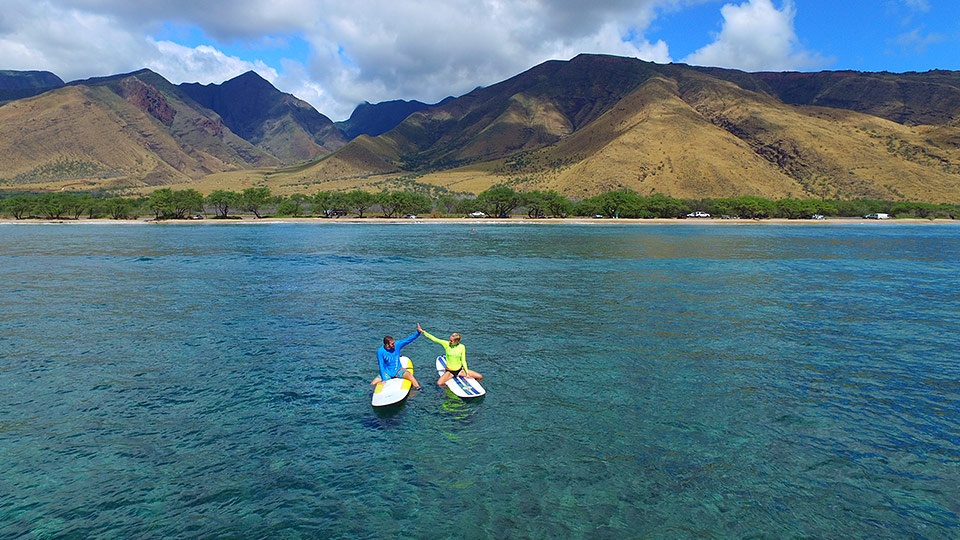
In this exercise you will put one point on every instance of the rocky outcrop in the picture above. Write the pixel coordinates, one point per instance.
(148, 99)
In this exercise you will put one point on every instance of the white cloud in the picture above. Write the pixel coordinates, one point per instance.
(756, 36)
(203, 64)
(71, 43)
(426, 51)
(363, 50)
(368, 50)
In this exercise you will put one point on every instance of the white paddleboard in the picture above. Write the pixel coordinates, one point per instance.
(395, 390)
(464, 387)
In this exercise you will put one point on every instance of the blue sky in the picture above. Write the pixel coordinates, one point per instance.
(338, 54)
(878, 35)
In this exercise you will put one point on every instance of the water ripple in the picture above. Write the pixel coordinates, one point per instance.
(648, 381)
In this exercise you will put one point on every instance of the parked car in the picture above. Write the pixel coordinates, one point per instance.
(699, 214)
(477, 214)
(816, 216)
(876, 216)
(410, 216)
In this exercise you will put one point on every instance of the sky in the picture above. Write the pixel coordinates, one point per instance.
(336, 54)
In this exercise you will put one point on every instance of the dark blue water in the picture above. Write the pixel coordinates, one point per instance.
(643, 381)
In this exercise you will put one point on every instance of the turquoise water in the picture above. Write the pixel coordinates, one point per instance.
(644, 381)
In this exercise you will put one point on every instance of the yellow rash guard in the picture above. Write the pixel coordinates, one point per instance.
(456, 356)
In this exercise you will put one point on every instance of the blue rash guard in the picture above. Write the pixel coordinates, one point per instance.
(390, 360)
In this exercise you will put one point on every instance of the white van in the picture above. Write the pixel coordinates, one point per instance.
(876, 216)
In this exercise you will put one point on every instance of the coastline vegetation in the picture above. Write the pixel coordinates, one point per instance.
(499, 201)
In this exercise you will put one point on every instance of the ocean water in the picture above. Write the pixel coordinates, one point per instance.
(644, 381)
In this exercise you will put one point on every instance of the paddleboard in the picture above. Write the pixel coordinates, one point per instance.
(464, 387)
(395, 390)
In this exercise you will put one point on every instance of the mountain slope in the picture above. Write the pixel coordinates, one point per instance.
(286, 127)
(726, 141)
(531, 110)
(598, 122)
(912, 99)
(580, 127)
(126, 131)
(377, 119)
(839, 153)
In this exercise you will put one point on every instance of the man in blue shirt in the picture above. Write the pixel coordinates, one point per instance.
(388, 356)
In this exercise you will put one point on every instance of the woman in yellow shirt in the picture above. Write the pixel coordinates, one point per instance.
(456, 357)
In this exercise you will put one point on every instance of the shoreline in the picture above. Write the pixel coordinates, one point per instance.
(481, 221)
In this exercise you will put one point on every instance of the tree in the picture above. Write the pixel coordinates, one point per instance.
(360, 200)
(862, 207)
(499, 201)
(292, 205)
(118, 207)
(161, 202)
(323, 202)
(796, 208)
(222, 200)
(390, 202)
(77, 204)
(535, 202)
(748, 207)
(659, 205)
(186, 201)
(557, 205)
(914, 209)
(299, 200)
(18, 206)
(330, 203)
(53, 205)
(827, 208)
(398, 203)
(447, 203)
(587, 207)
(467, 206)
(169, 204)
(620, 203)
(254, 199)
(96, 205)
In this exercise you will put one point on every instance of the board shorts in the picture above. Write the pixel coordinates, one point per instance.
(399, 373)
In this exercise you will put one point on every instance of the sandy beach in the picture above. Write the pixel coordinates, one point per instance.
(485, 221)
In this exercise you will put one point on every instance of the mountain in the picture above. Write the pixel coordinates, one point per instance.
(596, 123)
(930, 98)
(374, 120)
(125, 132)
(22, 84)
(581, 127)
(279, 123)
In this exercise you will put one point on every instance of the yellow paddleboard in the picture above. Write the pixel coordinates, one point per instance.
(393, 391)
